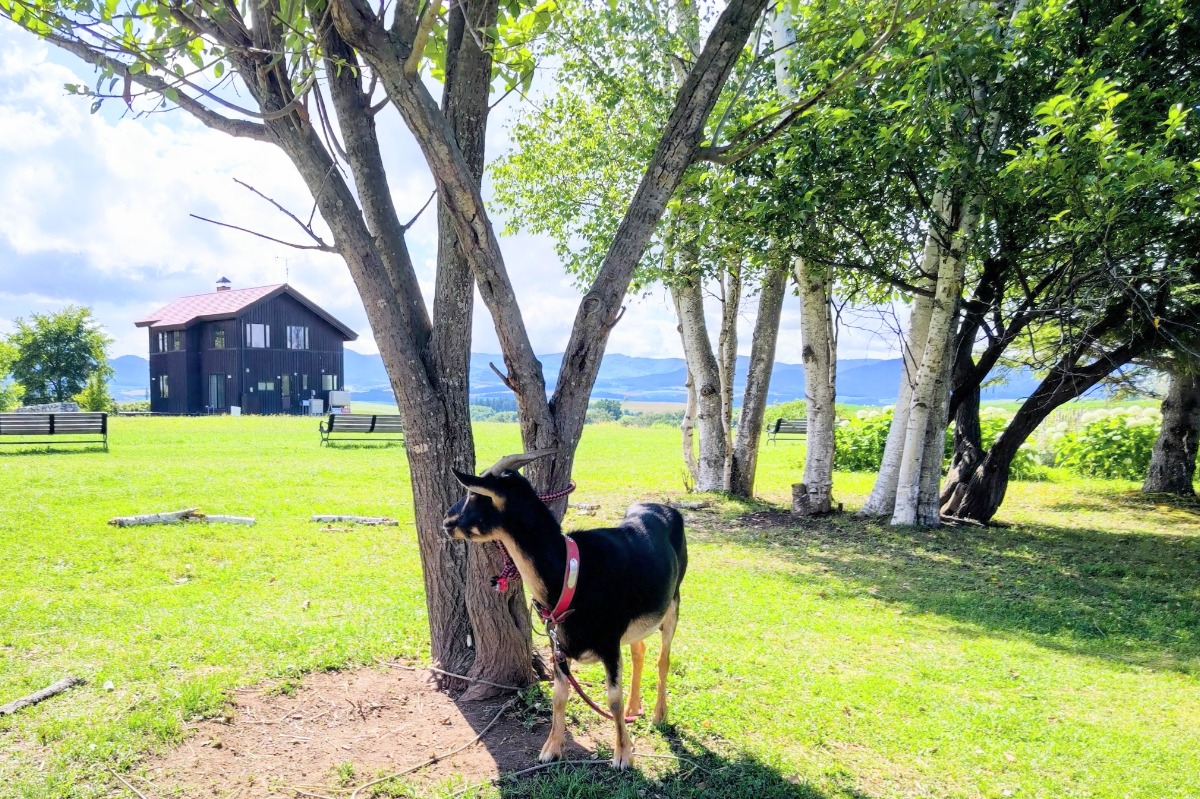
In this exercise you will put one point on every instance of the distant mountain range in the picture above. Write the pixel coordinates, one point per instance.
(861, 381)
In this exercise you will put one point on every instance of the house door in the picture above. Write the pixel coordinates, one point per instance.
(285, 392)
(216, 392)
(268, 397)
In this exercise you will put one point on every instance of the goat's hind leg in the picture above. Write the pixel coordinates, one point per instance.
(623, 748)
(637, 656)
(664, 660)
(552, 749)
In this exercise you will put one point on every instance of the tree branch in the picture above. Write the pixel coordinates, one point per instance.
(320, 247)
(413, 62)
(234, 127)
(306, 228)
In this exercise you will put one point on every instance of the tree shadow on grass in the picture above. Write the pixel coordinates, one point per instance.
(21, 449)
(1099, 503)
(692, 770)
(1128, 597)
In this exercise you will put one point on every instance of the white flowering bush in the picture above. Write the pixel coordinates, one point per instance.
(1111, 443)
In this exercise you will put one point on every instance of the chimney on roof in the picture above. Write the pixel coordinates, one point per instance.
(223, 284)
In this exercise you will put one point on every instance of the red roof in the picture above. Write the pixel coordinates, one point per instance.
(186, 311)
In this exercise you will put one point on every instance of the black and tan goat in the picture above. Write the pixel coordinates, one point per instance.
(625, 583)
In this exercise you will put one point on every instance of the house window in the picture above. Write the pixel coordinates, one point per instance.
(328, 382)
(266, 385)
(258, 335)
(297, 337)
(304, 382)
(169, 342)
(219, 338)
(163, 387)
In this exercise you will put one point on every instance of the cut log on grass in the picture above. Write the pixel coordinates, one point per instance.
(177, 516)
(38, 696)
(377, 520)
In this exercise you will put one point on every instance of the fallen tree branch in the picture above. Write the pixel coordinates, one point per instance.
(376, 520)
(38, 696)
(170, 517)
(177, 516)
(218, 519)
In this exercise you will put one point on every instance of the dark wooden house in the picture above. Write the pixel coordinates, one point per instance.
(266, 350)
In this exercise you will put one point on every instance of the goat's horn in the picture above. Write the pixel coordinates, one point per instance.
(517, 461)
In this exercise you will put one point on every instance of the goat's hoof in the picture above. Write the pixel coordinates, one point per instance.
(634, 712)
(623, 760)
(550, 753)
(660, 715)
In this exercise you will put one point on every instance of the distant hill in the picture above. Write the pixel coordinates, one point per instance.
(861, 381)
(131, 378)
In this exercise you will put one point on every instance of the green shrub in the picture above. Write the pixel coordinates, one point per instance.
(482, 413)
(136, 406)
(95, 396)
(858, 443)
(671, 418)
(792, 409)
(504, 416)
(606, 407)
(1112, 445)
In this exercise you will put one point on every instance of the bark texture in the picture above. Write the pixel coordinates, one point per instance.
(819, 351)
(931, 390)
(758, 381)
(706, 378)
(1173, 461)
(882, 500)
(727, 346)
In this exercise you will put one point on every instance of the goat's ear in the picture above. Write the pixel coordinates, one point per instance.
(477, 485)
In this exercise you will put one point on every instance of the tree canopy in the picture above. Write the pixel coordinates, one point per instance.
(57, 354)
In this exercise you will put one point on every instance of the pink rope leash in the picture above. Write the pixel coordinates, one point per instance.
(508, 573)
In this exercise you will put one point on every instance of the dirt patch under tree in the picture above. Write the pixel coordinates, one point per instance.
(336, 731)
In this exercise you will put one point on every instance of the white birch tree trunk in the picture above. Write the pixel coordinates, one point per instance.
(702, 364)
(687, 430)
(882, 500)
(727, 344)
(930, 392)
(819, 343)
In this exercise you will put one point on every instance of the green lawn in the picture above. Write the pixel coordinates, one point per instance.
(1056, 656)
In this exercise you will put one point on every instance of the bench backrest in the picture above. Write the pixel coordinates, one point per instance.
(48, 424)
(364, 423)
(790, 426)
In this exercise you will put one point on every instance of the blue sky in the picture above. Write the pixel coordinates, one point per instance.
(98, 208)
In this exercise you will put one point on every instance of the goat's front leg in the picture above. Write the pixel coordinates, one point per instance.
(623, 748)
(552, 749)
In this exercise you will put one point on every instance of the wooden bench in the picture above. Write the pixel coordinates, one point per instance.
(55, 428)
(362, 427)
(787, 428)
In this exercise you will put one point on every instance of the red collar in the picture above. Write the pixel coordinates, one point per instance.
(570, 578)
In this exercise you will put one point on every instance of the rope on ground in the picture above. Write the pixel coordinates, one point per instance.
(512, 775)
(456, 676)
(436, 758)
